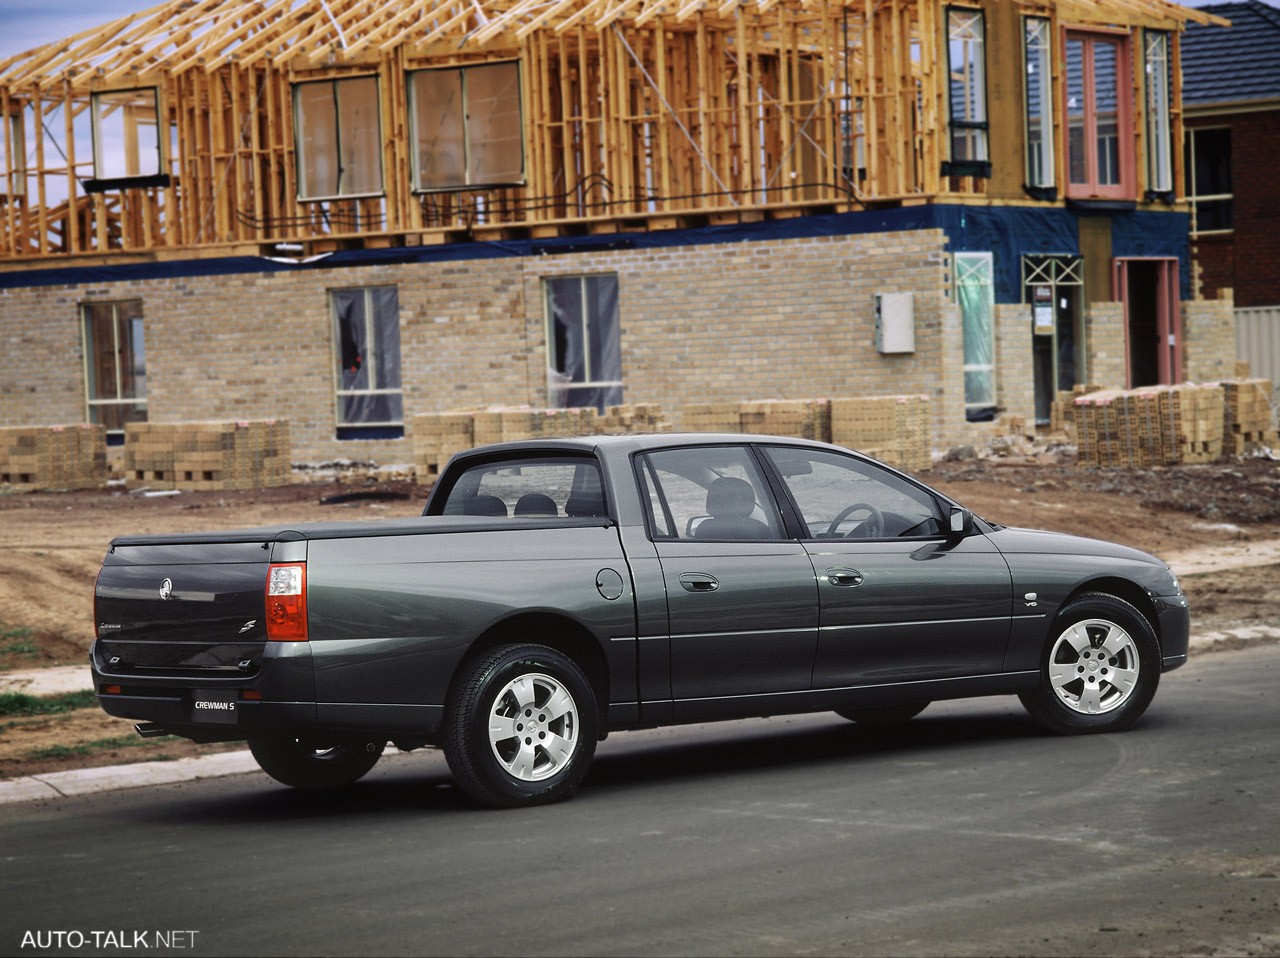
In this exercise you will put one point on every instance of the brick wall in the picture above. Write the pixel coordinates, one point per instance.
(1248, 261)
(1209, 339)
(1104, 335)
(778, 319)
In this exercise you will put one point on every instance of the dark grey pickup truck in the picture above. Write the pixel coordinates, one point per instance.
(557, 590)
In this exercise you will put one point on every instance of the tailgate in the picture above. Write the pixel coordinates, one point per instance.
(182, 610)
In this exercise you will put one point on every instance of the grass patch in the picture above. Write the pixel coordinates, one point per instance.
(14, 632)
(85, 748)
(20, 648)
(20, 703)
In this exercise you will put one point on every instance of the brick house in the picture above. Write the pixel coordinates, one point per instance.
(349, 212)
(1231, 107)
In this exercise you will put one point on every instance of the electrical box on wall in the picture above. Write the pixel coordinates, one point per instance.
(895, 323)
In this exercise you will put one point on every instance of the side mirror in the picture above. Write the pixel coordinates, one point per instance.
(961, 521)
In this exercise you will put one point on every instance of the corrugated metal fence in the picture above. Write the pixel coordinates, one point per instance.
(1258, 341)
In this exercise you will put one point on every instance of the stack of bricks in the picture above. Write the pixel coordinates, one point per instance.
(53, 457)
(1247, 416)
(437, 437)
(208, 455)
(1062, 412)
(893, 429)
(1151, 426)
(800, 418)
(712, 417)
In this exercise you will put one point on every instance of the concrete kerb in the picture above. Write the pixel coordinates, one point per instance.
(53, 785)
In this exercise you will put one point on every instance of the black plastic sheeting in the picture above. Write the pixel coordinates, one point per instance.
(1007, 232)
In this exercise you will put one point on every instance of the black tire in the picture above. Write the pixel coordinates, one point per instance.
(314, 766)
(884, 714)
(521, 727)
(1099, 669)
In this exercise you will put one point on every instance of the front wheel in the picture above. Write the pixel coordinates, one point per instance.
(314, 766)
(522, 725)
(1099, 670)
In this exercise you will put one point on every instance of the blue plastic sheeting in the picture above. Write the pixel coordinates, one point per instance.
(1006, 232)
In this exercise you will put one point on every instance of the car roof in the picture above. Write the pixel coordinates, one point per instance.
(638, 442)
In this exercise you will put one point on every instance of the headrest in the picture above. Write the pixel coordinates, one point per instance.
(729, 498)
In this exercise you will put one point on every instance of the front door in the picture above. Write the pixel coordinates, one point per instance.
(1153, 335)
(1053, 286)
(901, 599)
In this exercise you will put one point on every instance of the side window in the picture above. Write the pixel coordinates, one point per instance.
(532, 489)
(584, 349)
(710, 492)
(367, 348)
(115, 363)
(339, 138)
(467, 127)
(841, 497)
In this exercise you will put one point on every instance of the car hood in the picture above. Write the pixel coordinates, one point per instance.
(1036, 541)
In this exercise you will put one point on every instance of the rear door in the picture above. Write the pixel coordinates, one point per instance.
(741, 598)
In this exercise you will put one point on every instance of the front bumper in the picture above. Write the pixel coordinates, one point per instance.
(1174, 617)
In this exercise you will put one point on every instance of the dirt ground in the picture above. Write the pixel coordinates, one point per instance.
(51, 546)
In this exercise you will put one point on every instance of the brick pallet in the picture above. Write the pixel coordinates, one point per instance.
(53, 457)
(1151, 426)
(1247, 416)
(893, 429)
(437, 437)
(208, 455)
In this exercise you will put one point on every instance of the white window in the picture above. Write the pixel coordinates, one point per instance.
(339, 138)
(584, 351)
(1159, 136)
(366, 325)
(966, 60)
(126, 135)
(115, 363)
(976, 295)
(1038, 95)
(467, 127)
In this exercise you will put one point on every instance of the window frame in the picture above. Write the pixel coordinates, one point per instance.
(975, 131)
(415, 158)
(1091, 188)
(14, 182)
(300, 154)
(558, 388)
(361, 429)
(1045, 176)
(1159, 112)
(1191, 135)
(971, 365)
(133, 151)
(137, 397)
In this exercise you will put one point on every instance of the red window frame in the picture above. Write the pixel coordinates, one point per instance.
(1091, 187)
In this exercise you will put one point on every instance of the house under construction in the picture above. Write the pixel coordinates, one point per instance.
(346, 212)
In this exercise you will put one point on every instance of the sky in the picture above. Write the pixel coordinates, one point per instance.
(29, 23)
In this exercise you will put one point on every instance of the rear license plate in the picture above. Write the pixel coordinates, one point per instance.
(214, 706)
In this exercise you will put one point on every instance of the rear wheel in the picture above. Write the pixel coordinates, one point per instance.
(315, 766)
(522, 727)
(884, 714)
(1100, 668)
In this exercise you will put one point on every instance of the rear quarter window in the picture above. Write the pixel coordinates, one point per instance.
(523, 488)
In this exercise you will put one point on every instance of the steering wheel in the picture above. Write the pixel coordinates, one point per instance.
(873, 523)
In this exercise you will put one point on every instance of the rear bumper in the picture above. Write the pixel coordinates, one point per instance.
(279, 695)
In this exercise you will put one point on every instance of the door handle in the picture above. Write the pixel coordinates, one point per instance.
(846, 578)
(698, 582)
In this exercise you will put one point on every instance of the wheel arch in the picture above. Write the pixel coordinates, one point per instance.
(556, 631)
(1124, 589)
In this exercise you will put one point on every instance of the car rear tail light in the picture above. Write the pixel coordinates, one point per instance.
(287, 602)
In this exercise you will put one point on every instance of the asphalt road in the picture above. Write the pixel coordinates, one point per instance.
(966, 832)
